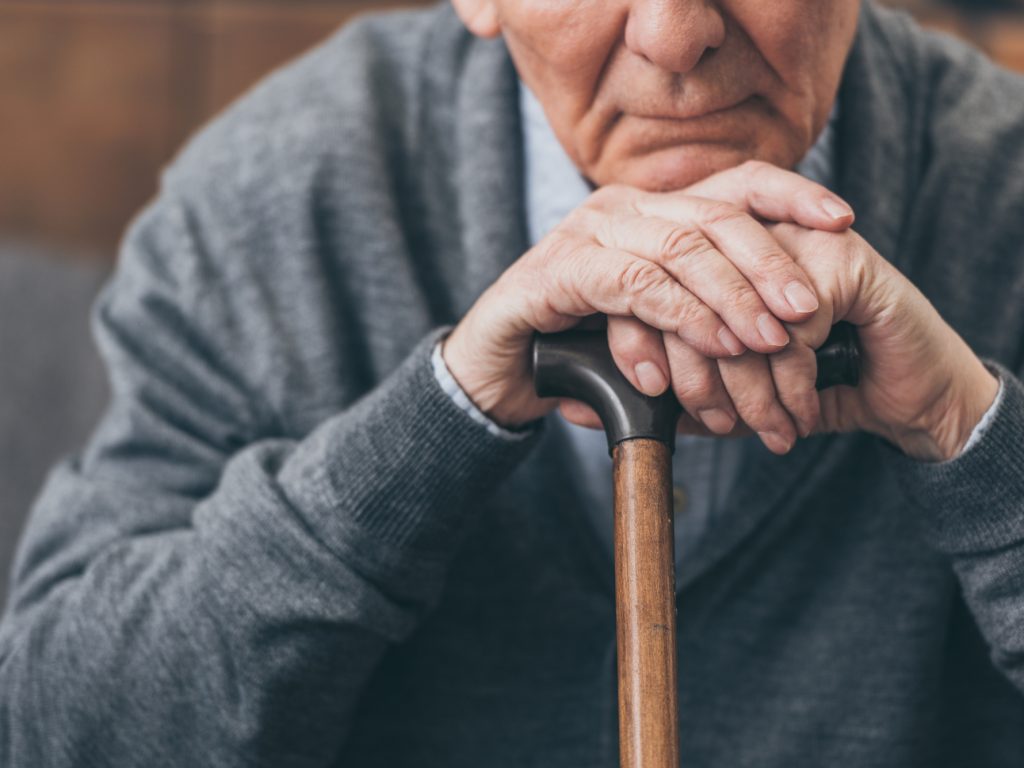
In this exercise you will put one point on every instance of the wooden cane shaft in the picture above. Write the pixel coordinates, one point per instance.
(645, 605)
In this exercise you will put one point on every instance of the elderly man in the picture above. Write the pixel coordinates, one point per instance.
(326, 522)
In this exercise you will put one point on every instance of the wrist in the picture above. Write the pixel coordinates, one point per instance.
(455, 358)
(950, 423)
(488, 391)
(977, 397)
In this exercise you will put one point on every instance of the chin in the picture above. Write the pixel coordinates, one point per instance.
(661, 156)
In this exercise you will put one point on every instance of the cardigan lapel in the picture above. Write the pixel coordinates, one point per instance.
(471, 162)
(879, 133)
(873, 152)
(490, 170)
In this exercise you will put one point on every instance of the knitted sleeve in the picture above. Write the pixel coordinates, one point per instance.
(193, 590)
(972, 509)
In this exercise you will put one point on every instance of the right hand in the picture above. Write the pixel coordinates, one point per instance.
(703, 269)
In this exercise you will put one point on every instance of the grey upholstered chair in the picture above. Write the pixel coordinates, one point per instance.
(52, 386)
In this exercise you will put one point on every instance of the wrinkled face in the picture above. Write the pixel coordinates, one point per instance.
(661, 93)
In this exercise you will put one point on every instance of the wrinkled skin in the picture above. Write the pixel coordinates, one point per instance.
(685, 115)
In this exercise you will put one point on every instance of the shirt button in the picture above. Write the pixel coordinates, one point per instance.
(678, 499)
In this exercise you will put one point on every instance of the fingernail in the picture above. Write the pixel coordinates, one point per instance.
(730, 342)
(652, 380)
(717, 420)
(800, 297)
(776, 443)
(835, 208)
(772, 331)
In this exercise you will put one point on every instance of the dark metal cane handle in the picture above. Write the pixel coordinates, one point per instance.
(839, 358)
(578, 364)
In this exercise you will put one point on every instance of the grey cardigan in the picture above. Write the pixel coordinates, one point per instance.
(286, 546)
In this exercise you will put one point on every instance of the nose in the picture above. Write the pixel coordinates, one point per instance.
(674, 34)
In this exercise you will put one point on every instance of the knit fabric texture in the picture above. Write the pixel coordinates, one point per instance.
(286, 545)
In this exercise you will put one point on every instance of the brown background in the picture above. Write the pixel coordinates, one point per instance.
(96, 96)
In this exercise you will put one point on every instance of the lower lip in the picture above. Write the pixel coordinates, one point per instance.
(722, 126)
(703, 116)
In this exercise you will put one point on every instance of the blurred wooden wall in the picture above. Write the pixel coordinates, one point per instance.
(1000, 33)
(96, 96)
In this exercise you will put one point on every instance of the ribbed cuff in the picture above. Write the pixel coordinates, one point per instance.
(392, 482)
(975, 502)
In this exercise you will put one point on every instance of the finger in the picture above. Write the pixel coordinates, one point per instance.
(687, 425)
(690, 426)
(692, 259)
(580, 277)
(748, 380)
(794, 370)
(639, 353)
(772, 193)
(850, 277)
(778, 279)
(579, 413)
(699, 387)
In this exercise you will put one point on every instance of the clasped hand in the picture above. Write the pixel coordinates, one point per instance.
(722, 292)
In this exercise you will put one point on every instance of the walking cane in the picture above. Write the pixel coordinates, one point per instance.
(641, 436)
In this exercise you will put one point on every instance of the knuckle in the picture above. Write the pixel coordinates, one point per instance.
(640, 276)
(696, 388)
(561, 248)
(741, 296)
(771, 264)
(759, 411)
(716, 213)
(797, 396)
(681, 244)
(564, 268)
(698, 326)
(692, 319)
(802, 403)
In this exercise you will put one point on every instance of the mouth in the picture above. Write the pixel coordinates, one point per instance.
(694, 114)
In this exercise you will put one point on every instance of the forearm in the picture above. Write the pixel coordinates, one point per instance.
(972, 509)
(244, 636)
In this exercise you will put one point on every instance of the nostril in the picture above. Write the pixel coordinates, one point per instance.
(709, 52)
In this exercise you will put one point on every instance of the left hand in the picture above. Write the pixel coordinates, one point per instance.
(921, 388)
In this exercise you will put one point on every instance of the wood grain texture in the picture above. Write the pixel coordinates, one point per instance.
(645, 605)
(245, 40)
(89, 107)
(95, 97)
